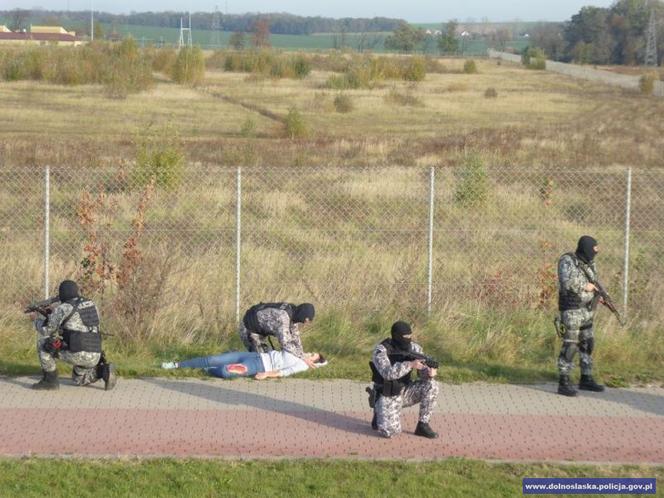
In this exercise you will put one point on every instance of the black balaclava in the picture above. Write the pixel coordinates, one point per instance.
(67, 291)
(584, 249)
(302, 312)
(399, 330)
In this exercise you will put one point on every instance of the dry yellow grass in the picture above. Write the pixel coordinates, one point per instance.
(353, 239)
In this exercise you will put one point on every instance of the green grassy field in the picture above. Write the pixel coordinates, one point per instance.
(318, 41)
(193, 478)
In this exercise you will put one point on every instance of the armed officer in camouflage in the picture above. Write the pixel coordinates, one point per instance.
(281, 320)
(71, 333)
(575, 303)
(395, 388)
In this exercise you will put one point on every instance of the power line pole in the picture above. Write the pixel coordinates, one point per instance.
(651, 40)
(92, 21)
(183, 30)
(215, 36)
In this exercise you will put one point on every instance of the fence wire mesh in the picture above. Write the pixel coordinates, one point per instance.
(348, 239)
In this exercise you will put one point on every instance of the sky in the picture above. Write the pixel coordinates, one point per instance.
(420, 11)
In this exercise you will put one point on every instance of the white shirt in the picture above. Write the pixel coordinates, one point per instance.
(284, 362)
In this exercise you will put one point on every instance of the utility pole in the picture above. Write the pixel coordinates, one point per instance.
(651, 40)
(651, 37)
(181, 41)
(92, 21)
(215, 36)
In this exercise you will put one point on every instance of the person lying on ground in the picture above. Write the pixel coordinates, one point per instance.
(261, 366)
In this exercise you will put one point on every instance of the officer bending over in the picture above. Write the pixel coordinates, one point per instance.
(284, 321)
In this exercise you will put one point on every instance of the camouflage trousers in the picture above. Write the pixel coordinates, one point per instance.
(255, 343)
(85, 364)
(578, 337)
(388, 409)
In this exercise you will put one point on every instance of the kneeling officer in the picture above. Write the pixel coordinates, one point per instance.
(392, 364)
(71, 333)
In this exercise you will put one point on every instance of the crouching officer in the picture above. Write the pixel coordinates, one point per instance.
(394, 388)
(71, 333)
(281, 320)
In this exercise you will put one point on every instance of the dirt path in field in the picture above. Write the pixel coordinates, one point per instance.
(295, 418)
(251, 107)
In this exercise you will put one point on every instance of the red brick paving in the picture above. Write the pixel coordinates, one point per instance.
(239, 420)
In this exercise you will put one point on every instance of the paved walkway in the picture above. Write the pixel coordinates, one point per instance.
(297, 418)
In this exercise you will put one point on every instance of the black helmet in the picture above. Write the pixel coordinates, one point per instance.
(67, 291)
(303, 312)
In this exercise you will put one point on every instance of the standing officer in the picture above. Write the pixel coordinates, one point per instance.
(395, 388)
(575, 299)
(281, 320)
(71, 333)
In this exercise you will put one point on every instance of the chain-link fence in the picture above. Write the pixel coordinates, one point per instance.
(198, 246)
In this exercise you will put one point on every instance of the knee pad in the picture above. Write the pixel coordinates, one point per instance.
(587, 345)
(568, 351)
(236, 368)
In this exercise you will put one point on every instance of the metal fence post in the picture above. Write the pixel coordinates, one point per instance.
(47, 227)
(430, 264)
(238, 235)
(628, 207)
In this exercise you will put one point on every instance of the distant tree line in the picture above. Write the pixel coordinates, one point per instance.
(278, 23)
(598, 35)
(408, 38)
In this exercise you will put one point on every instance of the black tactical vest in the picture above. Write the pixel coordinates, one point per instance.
(391, 387)
(250, 319)
(568, 299)
(77, 340)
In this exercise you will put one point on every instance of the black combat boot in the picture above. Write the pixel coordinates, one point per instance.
(587, 383)
(424, 430)
(109, 376)
(564, 387)
(49, 381)
(374, 422)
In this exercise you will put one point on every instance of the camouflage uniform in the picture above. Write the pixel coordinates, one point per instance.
(423, 391)
(578, 322)
(84, 362)
(278, 324)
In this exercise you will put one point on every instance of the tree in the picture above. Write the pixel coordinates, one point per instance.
(500, 38)
(18, 19)
(237, 40)
(549, 37)
(189, 68)
(99, 31)
(588, 37)
(612, 35)
(405, 38)
(261, 31)
(447, 42)
(51, 20)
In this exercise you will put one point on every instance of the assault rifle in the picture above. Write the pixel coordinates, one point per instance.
(411, 355)
(428, 360)
(606, 301)
(602, 295)
(375, 392)
(42, 307)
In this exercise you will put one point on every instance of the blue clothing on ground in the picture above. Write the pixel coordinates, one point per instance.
(217, 365)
